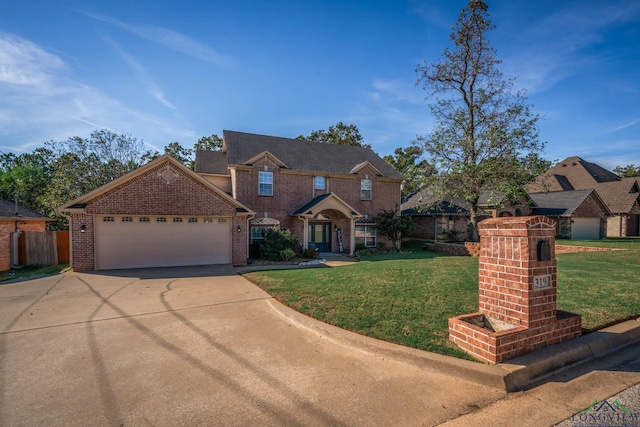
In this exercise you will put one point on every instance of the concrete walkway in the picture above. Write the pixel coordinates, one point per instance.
(203, 346)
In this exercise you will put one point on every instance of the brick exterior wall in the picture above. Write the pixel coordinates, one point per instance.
(9, 226)
(515, 315)
(149, 194)
(293, 190)
(468, 249)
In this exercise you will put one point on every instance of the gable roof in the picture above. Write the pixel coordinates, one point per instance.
(242, 148)
(563, 203)
(8, 211)
(81, 202)
(324, 202)
(620, 196)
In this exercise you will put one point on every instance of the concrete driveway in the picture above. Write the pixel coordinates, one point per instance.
(196, 346)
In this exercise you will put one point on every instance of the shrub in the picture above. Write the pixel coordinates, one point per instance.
(362, 252)
(361, 247)
(309, 253)
(287, 254)
(278, 239)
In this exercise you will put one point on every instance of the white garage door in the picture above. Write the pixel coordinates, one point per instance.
(585, 229)
(161, 241)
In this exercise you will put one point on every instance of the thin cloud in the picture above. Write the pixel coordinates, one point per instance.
(627, 125)
(143, 74)
(25, 64)
(42, 101)
(169, 38)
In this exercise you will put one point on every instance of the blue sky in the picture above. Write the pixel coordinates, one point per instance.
(168, 71)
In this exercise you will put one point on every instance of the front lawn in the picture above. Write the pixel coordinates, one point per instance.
(31, 271)
(408, 298)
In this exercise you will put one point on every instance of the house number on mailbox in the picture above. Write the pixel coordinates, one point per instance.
(541, 282)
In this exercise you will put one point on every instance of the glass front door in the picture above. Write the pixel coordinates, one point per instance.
(320, 236)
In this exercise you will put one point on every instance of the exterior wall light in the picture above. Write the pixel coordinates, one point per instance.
(83, 228)
(238, 229)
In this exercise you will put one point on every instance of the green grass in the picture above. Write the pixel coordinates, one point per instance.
(33, 271)
(408, 298)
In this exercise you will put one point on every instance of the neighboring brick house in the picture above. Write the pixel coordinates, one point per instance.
(621, 195)
(438, 218)
(317, 190)
(435, 218)
(14, 219)
(580, 214)
(164, 214)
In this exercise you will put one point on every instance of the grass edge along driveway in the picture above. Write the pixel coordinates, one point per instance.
(408, 298)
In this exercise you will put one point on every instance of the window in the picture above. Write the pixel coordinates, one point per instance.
(257, 234)
(365, 189)
(366, 235)
(161, 219)
(108, 219)
(177, 219)
(126, 219)
(265, 183)
(193, 219)
(319, 183)
(144, 219)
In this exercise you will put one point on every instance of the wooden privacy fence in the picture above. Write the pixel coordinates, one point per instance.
(43, 248)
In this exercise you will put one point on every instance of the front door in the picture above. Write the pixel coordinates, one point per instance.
(320, 236)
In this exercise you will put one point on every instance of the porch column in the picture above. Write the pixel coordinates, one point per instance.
(305, 232)
(352, 236)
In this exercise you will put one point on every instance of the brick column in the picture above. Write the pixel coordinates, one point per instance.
(516, 287)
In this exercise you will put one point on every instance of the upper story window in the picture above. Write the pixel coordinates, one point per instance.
(365, 189)
(319, 183)
(265, 183)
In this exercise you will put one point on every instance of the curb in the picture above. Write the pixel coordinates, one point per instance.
(537, 365)
(513, 375)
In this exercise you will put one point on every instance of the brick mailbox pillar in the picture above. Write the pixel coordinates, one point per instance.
(517, 292)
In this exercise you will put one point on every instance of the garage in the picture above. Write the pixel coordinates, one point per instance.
(585, 228)
(158, 241)
(160, 215)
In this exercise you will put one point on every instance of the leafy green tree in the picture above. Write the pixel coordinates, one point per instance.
(26, 177)
(628, 171)
(80, 165)
(212, 143)
(338, 134)
(180, 153)
(393, 225)
(186, 156)
(415, 171)
(485, 137)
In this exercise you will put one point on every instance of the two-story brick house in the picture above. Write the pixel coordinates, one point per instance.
(165, 214)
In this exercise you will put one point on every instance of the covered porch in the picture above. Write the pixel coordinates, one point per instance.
(329, 224)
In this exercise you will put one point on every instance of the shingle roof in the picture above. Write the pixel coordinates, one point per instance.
(297, 154)
(556, 201)
(212, 162)
(620, 196)
(8, 210)
(573, 173)
(302, 210)
(441, 208)
(428, 202)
